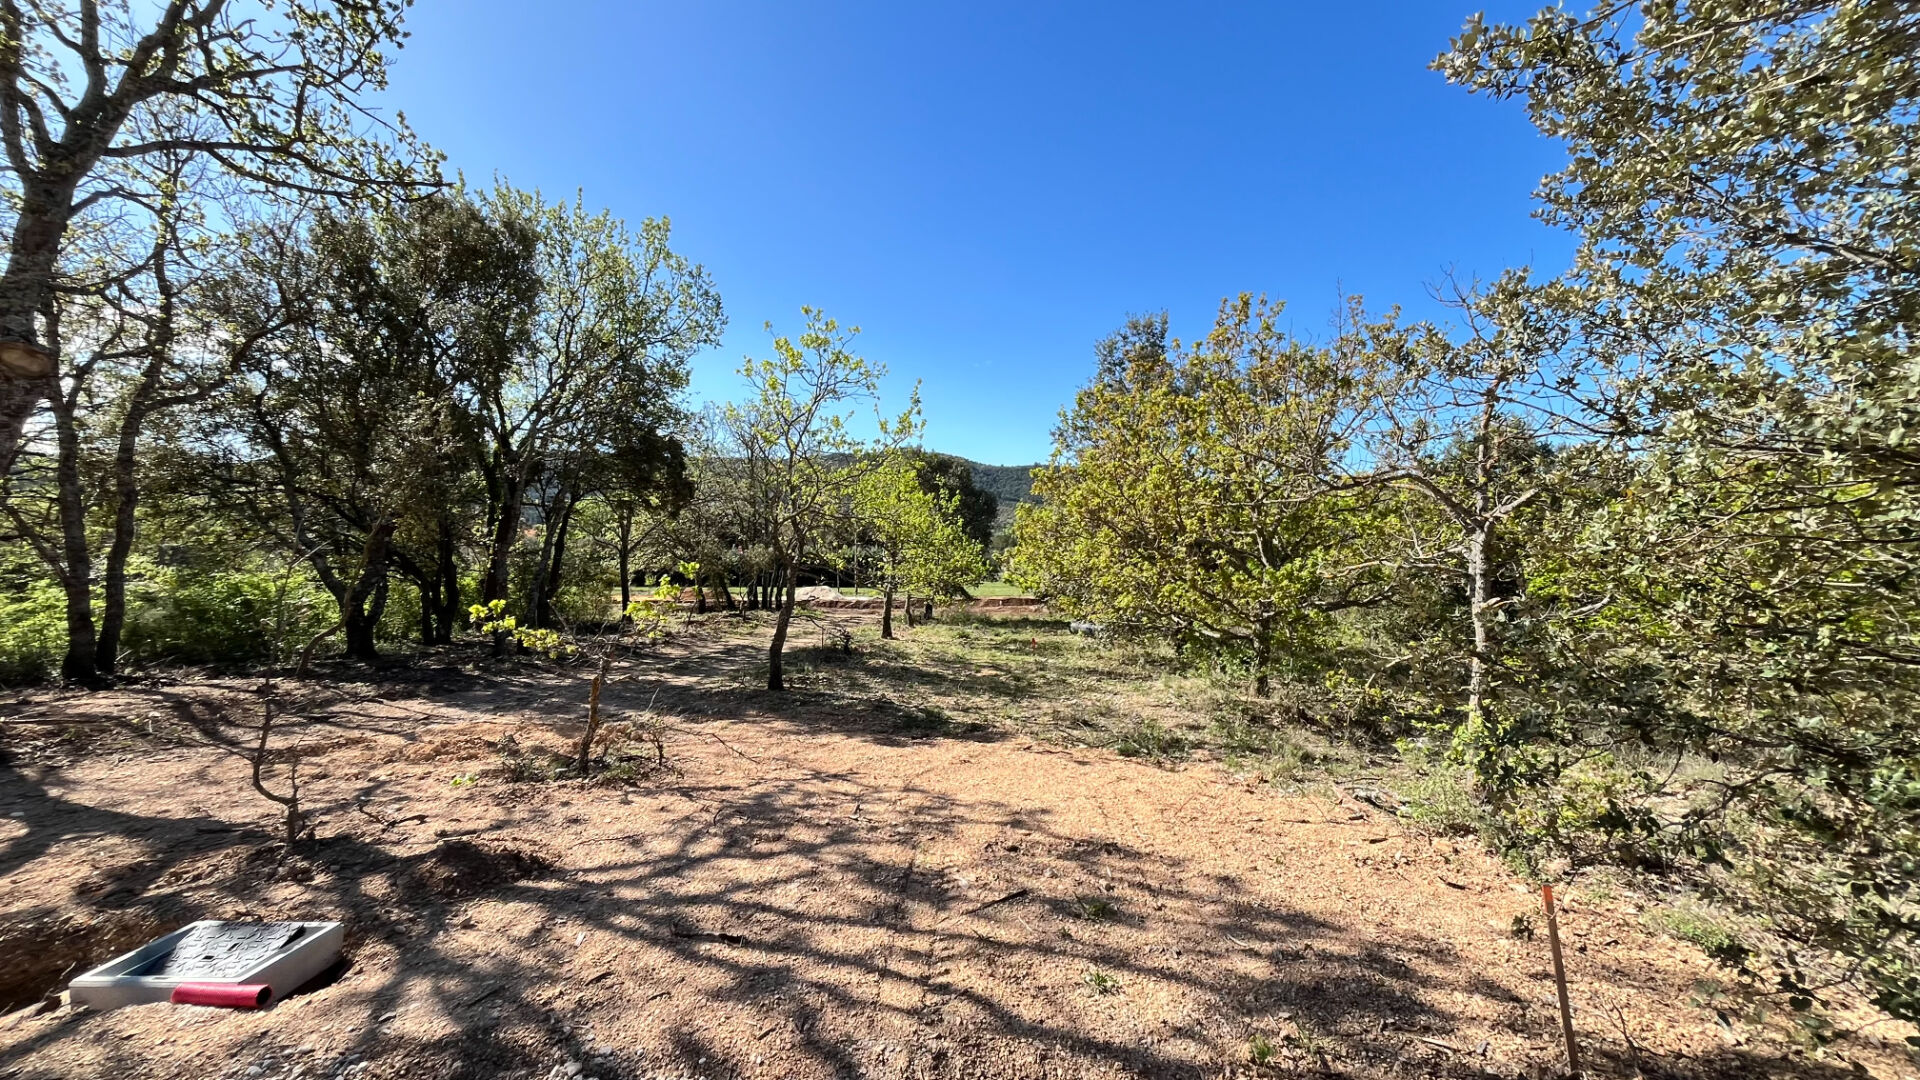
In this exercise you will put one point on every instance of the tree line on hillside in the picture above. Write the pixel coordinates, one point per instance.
(245, 325)
(1635, 545)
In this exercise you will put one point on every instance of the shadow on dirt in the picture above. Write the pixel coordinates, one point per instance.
(787, 915)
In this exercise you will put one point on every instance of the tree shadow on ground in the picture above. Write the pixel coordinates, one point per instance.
(712, 946)
(772, 921)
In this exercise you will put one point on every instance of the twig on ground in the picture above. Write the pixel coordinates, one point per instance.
(715, 738)
(385, 823)
(1620, 1019)
(1008, 898)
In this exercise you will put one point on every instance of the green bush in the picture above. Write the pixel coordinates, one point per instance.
(589, 600)
(223, 617)
(400, 621)
(1438, 795)
(33, 633)
(1152, 740)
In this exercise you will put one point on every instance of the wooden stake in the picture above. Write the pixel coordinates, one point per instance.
(1560, 982)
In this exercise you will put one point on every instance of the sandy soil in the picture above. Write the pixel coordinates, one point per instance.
(816, 890)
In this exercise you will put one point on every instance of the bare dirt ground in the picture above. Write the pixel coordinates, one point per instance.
(891, 871)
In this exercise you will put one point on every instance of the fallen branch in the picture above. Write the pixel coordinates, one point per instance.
(384, 823)
(998, 900)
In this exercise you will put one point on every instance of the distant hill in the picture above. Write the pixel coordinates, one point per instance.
(1011, 484)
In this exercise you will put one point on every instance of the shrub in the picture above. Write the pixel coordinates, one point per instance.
(400, 621)
(1439, 798)
(1150, 739)
(223, 617)
(33, 633)
(1690, 922)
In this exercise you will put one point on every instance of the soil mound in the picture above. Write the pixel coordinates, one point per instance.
(462, 868)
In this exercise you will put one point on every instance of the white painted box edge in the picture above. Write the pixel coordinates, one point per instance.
(106, 988)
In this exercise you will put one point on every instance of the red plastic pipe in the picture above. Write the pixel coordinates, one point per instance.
(230, 995)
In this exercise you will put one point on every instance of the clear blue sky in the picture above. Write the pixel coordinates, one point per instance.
(989, 188)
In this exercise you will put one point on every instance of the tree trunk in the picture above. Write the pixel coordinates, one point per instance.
(506, 532)
(448, 591)
(625, 544)
(358, 628)
(1477, 665)
(549, 615)
(113, 586)
(538, 606)
(80, 665)
(377, 606)
(367, 590)
(700, 592)
(32, 254)
(774, 681)
(886, 612)
(908, 606)
(1262, 658)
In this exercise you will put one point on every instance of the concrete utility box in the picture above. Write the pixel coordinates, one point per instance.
(281, 955)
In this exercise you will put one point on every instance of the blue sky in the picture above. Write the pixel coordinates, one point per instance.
(989, 188)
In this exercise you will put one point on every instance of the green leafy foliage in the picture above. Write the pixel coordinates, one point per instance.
(224, 618)
(33, 632)
(1739, 178)
(918, 540)
(1184, 499)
